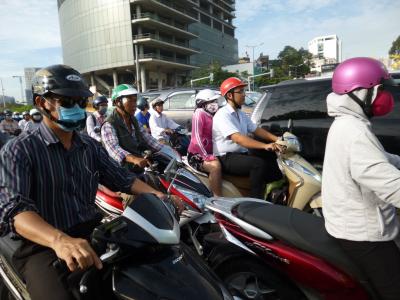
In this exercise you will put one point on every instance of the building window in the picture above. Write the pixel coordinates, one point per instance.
(229, 31)
(217, 25)
(205, 19)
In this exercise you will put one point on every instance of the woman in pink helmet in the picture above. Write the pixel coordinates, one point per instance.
(200, 154)
(361, 181)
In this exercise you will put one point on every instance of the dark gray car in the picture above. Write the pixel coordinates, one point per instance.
(304, 102)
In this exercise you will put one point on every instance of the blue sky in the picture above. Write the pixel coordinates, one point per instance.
(29, 34)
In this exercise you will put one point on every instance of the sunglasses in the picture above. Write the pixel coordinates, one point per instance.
(69, 102)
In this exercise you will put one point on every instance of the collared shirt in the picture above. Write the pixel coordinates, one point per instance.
(22, 124)
(158, 123)
(226, 122)
(110, 141)
(92, 123)
(38, 174)
(31, 126)
(8, 126)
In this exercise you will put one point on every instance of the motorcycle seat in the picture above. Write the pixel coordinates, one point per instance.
(302, 230)
(8, 246)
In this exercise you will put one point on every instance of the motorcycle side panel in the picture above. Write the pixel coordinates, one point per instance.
(179, 274)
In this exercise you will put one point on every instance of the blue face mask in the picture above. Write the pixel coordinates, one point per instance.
(70, 119)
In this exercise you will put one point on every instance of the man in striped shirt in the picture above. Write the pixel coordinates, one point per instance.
(48, 183)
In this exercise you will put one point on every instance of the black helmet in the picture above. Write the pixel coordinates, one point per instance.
(142, 104)
(99, 100)
(61, 80)
(7, 112)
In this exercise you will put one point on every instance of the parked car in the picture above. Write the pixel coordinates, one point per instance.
(304, 102)
(179, 104)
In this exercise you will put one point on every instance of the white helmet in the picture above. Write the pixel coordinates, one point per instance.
(206, 95)
(34, 111)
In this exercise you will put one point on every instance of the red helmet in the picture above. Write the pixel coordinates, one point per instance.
(231, 83)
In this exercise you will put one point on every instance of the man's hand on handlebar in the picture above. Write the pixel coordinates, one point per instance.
(139, 161)
(76, 252)
(275, 148)
(175, 200)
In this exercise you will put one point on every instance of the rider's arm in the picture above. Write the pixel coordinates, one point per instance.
(171, 123)
(370, 167)
(248, 142)
(15, 181)
(265, 135)
(150, 140)
(110, 141)
(393, 159)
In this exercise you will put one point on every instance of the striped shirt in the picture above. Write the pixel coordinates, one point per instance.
(110, 141)
(38, 174)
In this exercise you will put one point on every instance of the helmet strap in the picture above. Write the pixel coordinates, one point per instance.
(365, 105)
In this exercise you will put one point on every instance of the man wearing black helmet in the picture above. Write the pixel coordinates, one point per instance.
(95, 120)
(48, 183)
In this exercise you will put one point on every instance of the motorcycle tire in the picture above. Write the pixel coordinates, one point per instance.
(248, 278)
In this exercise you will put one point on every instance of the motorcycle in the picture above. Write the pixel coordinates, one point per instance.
(301, 188)
(179, 140)
(174, 179)
(142, 257)
(270, 251)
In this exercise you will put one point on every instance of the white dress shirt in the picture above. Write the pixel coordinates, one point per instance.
(158, 123)
(226, 122)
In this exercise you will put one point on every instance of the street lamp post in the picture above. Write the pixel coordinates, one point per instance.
(4, 97)
(22, 89)
(253, 47)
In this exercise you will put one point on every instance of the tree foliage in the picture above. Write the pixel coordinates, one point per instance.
(395, 49)
(291, 63)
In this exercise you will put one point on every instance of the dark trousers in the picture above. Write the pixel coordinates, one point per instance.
(35, 264)
(259, 165)
(380, 261)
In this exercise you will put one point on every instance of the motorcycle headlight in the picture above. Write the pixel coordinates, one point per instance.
(193, 196)
(293, 143)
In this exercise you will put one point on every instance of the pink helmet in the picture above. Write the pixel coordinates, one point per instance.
(358, 72)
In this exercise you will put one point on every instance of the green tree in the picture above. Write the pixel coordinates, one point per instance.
(295, 62)
(395, 49)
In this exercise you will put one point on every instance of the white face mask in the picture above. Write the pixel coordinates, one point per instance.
(211, 107)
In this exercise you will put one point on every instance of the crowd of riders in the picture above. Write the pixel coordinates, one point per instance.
(361, 182)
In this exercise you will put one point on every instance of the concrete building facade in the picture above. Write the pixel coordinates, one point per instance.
(28, 74)
(325, 50)
(150, 43)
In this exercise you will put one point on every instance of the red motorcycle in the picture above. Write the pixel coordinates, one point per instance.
(277, 252)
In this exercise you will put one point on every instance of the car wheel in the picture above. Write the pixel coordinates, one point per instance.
(248, 279)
